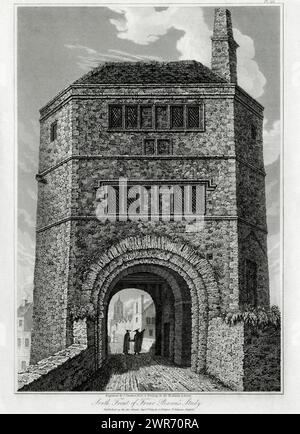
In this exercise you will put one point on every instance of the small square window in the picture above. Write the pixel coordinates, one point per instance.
(115, 116)
(163, 147)
(26, 342)
(146, 117)
(149, 147)
(53, 131)
(177, 120)
(131, 116)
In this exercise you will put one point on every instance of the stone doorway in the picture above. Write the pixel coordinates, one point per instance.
(180, 281)
(172, 304)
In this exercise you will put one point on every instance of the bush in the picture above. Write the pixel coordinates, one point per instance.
(82, 312)
(257, 318)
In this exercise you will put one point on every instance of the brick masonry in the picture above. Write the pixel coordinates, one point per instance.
(72, 244)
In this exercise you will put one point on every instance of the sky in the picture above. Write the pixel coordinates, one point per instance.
(128, 297)
(56, 45)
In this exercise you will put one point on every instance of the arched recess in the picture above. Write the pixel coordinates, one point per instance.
(176, 262)
(181, 305)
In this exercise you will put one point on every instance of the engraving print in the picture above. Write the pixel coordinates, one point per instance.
(149, 152)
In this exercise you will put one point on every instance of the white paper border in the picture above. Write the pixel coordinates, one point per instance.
(288, 402)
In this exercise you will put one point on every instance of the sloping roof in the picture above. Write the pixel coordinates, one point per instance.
(185, 72)
(147, 305)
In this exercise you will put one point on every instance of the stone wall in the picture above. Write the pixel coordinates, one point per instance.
(91, 135)
(53, 152)
(86, 152)
(63, 371)
(262, 360)
(247, 119)
(253, 247)
(250, 196)
(225, 353)
(80, 332)
(244, 359)
(50, 293)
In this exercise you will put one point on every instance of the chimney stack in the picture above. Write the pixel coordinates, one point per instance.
(223, 62)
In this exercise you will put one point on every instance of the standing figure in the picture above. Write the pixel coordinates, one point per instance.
(140, 341)
(136, 342)
(126, 342)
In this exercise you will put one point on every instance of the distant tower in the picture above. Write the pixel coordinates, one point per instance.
(224, 47)
(118, 310)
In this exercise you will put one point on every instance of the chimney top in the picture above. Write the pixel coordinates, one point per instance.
(222, 23)
(224, 46)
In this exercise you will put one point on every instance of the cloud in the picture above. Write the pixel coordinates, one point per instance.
(25, 217)
(146, 25)
(90, 58)
(81, 47)
(272, 141)
(250, 76)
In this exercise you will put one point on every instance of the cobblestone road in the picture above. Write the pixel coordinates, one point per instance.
(143, 373)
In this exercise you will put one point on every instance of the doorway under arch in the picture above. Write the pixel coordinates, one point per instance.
(131, 310)
(172, 303)
(181, 275)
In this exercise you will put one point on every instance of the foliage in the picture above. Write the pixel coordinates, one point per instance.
(257, 318)
(82, 312)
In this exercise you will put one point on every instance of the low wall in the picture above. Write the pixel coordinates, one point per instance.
(63, 371)
(242, 358)
(225, 353)
(262, 360)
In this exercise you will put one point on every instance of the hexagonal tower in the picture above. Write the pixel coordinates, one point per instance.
(155, 124)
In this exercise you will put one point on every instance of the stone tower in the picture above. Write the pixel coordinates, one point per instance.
(172, 124)
(118, 310)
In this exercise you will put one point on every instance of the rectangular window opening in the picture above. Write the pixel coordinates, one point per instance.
(131, 117)
(177, 117)
(161, 117)
(194, 117)
(146, 117)
(115, 116)
(53, 131)
(253, 132)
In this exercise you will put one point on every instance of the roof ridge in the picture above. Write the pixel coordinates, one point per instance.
(163, 74)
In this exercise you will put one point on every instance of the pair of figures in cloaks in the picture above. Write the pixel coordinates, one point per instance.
(138, 341)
